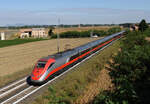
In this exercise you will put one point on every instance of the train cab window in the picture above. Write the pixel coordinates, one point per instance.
(41, 64)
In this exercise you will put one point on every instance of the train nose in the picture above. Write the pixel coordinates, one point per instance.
(36, 74)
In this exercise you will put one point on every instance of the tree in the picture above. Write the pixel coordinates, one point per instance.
(50, 32)
(143, 25)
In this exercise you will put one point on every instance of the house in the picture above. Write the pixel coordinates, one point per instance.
(39, 32)
(25, 33)
(134, 28)
(34, 32)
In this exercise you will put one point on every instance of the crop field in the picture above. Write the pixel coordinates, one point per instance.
(20, 57)
(60, 30)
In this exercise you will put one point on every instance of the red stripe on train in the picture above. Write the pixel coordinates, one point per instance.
(70, 62)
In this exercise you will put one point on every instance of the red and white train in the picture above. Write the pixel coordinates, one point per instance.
(50, 66)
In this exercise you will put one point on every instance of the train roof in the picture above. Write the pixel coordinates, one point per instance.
(54, 56)
(57, 55)
(82, 47)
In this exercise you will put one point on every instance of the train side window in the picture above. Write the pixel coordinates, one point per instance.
(85, 51)
(75, 56)
(95, 46)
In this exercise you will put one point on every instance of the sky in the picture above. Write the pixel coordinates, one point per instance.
(47, 12)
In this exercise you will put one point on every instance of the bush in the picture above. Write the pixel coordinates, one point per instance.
(76, 34)
(70, 34)
(113, 30)
(100, 32)
(54, 36)
(147, 32)
(130, 66)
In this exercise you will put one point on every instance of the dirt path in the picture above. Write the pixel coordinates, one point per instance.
(103, 82)
(19, 57)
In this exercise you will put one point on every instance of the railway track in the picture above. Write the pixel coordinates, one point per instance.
(18, 91)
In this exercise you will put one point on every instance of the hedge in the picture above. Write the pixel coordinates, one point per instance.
(76, 34)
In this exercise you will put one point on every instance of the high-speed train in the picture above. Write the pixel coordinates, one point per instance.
(50, 66)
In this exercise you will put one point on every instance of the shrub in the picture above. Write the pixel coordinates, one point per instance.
(130, 66)
(76, 34)
(113, 30)
(147, 32)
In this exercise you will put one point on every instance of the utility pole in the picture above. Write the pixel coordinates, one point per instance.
(92, 31)
(58, 45)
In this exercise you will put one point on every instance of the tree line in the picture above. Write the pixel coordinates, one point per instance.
(76, 34)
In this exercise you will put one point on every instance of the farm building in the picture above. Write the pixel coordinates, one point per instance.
(25, 33)
(34, 32)
(134, 27)
(39, 32)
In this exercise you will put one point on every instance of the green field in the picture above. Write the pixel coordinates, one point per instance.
(5, 43)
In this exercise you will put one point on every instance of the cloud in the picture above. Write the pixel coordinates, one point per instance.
(73, 16)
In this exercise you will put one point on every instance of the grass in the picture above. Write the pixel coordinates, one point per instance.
(74, 84)
(5, 43)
